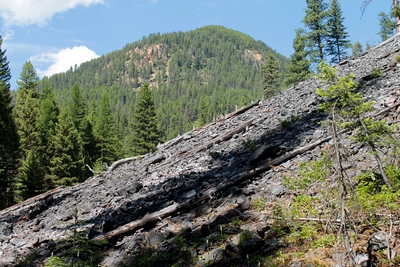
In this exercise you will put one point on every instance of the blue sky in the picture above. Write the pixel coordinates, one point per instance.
(57, 34)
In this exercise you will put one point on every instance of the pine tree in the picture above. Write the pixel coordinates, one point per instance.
(337, 41)
(203, 112)
(9, 139)
(30, 181)
(5, 73)
(316, 25)
(27, 109)
(299, 68)
(356, 49)
(47, 119)
(77, 108)
(270, 75)
(387, 26)
(77, 111)
(107, 140)
(67, 163)
(26, 112)
(145, 135)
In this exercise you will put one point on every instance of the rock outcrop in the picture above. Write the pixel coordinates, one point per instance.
(201, 180)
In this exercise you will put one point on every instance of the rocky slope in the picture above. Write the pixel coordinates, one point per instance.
(203, 181)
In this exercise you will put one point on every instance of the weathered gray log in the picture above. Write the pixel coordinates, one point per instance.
(119, 162)
(205, 194)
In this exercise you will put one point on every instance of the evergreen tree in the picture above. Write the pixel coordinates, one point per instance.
(387, 26)
(316, 25)
(337, 41)
(47, 119)
(107, 140)
(356, 49)
(202, 117)
(27, 109)
(145, 135)
(30, 182)
(5, 73)
(67, 164)
(299, 68)
(270, 75)
(26, 112)
(77, 110)
(9, 139)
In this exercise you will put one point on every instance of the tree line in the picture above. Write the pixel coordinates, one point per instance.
(43, 146)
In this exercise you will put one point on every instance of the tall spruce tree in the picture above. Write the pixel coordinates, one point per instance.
(9, 139)
(26, 117)
(270, 76)
(77, 110)
(145, 135)
(47, 119)
(316, 26)
(337, 42)
(299, 68)
(27, 109)
(104, 132)
(67, 163)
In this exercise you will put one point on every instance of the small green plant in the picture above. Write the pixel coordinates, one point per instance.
(376, 73)
(57, 262)
(244, 236)
(258, 204)
(250, 144)
(327, 240)
(397, 58)
(77, 250)
(288, 122)
(280, 224)
(303, 235)
(235, 222)
(310, 173)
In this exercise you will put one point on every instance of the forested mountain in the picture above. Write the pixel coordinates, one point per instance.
(194, 76)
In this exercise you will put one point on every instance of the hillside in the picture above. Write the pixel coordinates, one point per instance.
(212, 64)
(208, 197)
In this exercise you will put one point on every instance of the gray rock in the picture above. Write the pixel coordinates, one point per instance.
(361, 258)
(155, 239)
(278, 190)
(6, 228)
(18, 242)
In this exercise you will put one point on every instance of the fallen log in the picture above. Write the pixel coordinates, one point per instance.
(204, 195)
(119, 162)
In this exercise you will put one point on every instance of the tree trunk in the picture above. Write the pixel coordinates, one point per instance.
(395, 5)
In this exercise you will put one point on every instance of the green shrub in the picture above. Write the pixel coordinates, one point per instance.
(376, 73)
(258, 204)
(250, 144)
(244, 236)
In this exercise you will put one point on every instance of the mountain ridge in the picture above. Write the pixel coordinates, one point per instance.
(213, 63)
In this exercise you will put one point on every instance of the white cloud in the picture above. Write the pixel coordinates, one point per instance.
(26, 12)
(62, 60)
(9, 34)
